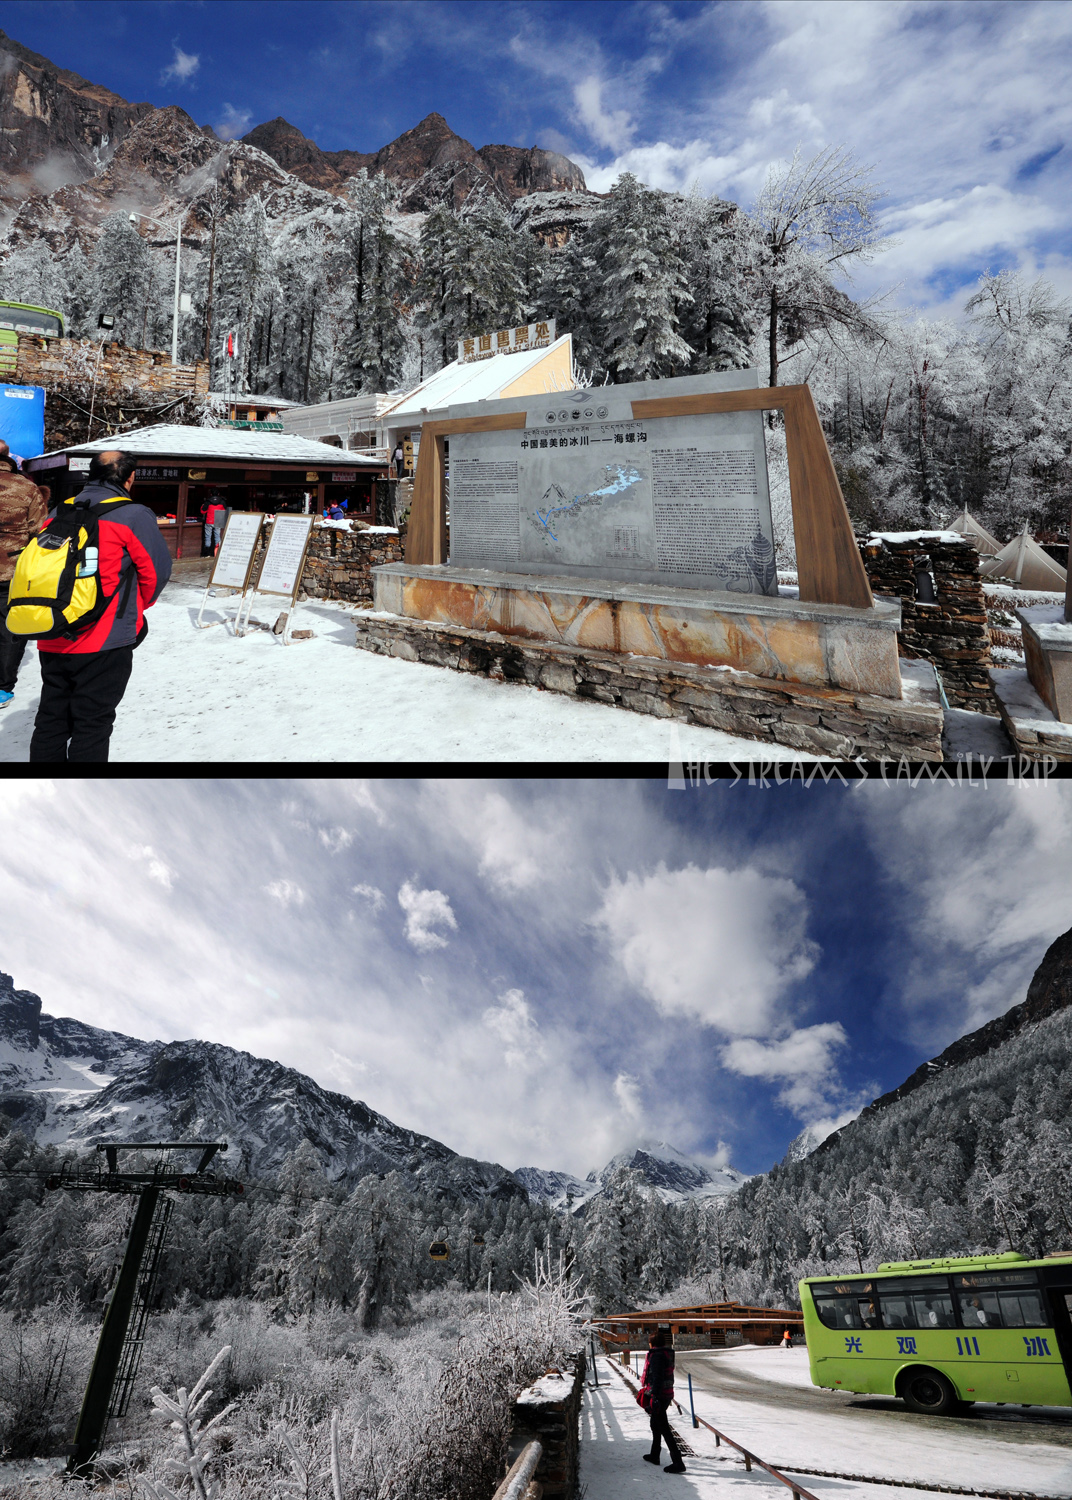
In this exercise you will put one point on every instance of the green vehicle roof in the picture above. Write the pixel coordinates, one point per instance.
(945, 1263)
(31, 307)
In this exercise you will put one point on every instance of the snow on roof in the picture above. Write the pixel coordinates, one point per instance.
(917, 536)
(165, 441)
(277, 403)
(482, 380)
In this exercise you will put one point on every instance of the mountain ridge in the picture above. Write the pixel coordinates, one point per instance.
(67, 1083)
(72, 149)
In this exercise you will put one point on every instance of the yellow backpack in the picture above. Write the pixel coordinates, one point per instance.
(56, 590)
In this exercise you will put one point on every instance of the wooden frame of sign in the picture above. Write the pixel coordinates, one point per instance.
(292, 592)
(829, 565)
(224, 558)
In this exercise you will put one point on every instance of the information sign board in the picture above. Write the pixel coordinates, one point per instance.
(235, 557)
(285, 555)
(586, 489)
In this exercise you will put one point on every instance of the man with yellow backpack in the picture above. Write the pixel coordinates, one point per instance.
(81, 589)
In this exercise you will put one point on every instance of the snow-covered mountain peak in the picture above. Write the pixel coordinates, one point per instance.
(62, 1081)
(673, 1175)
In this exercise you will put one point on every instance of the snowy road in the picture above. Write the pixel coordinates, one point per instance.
(764, 1399)
(205, 696)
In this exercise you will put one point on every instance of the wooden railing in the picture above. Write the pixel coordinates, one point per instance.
(519, 1483)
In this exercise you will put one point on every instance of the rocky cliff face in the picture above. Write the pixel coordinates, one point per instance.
(55, 127)
(64, 1082)
(430, 162)
(73, 152)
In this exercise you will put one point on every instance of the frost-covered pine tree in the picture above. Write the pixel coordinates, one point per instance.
(245, 289)
(122, 278)
(639, 283)
(721, 250)
(613, 1242)
(372, 265)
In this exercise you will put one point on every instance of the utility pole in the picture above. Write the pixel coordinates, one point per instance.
(119, 1347)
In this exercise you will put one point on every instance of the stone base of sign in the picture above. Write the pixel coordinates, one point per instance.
(1032, 727)
(821, 720)
(1047, 638)
(822, 645)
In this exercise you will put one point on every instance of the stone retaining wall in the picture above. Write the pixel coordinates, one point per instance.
(952, 633)
(824, 721)
(550, 1411)
(338, 563)
(50, 361)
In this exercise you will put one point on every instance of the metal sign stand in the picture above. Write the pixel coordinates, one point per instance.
(235, 561)
(275, 569)
(115, 1363)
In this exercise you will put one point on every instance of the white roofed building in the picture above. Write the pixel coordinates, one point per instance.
(181, 468)
(377, 423)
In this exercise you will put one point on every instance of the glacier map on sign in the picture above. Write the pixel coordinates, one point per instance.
(617, 479)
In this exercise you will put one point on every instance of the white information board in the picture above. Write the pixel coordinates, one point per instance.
(282, 566)
(231, 568)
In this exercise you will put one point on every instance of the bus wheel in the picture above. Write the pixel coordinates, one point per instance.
(929, 1392)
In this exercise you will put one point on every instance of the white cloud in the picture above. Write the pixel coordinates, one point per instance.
(982, 880)
(361, 794)
(804, 1059)
(335, 839)
(182, 67)
(372, 894)
(513, 1023)
(517, 846)
(424, 911)
(288, 892)
(627, 1093)
(721, 946)
(233, 123)
(157, 869)
(611, 128)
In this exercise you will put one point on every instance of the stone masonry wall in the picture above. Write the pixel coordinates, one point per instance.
(830, 721)
(550, 1411)
(952, 633)
(56, 361)
(338, 563)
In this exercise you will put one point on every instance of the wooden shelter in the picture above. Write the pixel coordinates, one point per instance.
(756, 1325)
(180, 467)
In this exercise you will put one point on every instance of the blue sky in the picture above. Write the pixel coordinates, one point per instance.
(963, 109)
(541, 973)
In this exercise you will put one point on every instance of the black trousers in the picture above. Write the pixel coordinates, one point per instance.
(660, 1432)
(80, 692)
(11, 646)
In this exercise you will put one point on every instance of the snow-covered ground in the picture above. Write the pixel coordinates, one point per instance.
(764, 1399)
(207, 695)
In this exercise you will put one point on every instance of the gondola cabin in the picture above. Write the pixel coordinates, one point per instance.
(439, 1250)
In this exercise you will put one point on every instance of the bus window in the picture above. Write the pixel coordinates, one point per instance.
(924, 1309)
(996, 1278)
(1002, 1309)
(845, 1312)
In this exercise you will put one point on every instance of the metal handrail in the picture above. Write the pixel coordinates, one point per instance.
(521, 1471)
(799, 1492)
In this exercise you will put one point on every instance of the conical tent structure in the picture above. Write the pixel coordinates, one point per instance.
(968, 526)
(1024, 561)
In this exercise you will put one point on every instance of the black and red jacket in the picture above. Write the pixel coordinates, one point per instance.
(658, 1375)
(134, 564)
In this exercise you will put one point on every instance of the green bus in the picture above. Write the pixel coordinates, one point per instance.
(23, 317)
(943, 1334)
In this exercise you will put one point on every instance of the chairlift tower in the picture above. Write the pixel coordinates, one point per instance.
(115, 1364)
